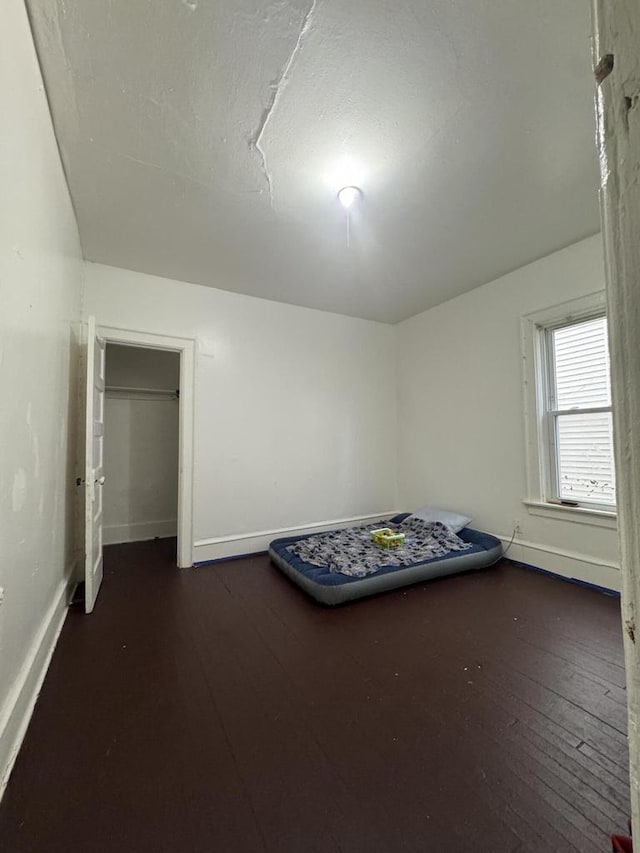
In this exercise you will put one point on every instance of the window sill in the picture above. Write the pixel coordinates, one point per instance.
(576, 514)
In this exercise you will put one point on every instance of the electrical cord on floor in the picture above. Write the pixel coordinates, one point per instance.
(513, 536)
(504, 553)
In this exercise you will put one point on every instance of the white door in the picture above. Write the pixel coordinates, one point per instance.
(94, 461)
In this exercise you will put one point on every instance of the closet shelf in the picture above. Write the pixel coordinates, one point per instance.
(125, 392)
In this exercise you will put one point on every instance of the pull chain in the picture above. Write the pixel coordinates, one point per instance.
(347, 196)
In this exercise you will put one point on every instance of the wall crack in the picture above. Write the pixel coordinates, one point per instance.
(277, 86)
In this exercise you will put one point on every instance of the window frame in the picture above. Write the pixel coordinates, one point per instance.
(540, 418)
(552, 413)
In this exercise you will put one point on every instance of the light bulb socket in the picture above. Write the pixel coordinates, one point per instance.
(347, 196)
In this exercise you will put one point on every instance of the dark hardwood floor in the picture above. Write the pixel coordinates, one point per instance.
(219, 709)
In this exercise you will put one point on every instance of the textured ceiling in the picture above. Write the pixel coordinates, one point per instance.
(205, 140)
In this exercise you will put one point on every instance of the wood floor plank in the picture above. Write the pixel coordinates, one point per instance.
(221, 709)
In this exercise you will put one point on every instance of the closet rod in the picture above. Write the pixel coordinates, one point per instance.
(161, 392)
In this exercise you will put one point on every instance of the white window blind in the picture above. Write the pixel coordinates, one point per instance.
(579, 411)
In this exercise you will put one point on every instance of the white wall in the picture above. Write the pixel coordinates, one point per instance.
(295, 423)
(40, 278)
(295, 416)
(461, 423)
(142, 368)
(140, 493)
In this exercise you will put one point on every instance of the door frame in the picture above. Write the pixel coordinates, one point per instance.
(186, 348)
(615, 32)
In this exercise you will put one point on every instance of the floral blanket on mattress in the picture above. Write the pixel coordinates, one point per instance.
(351, 551)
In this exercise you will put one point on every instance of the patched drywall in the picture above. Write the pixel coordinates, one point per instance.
(461, 419)
(40, 278)
(206, 142)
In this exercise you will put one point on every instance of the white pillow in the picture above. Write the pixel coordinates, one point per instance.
(452, 519)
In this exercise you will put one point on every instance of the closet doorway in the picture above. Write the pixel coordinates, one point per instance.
(148, 439)
(140, 493)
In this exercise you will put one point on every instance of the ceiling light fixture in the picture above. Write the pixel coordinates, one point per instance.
(348, 195)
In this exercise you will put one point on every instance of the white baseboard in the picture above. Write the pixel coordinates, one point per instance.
(19, 704)
(221, 547)
(115, 534)
(568, 564)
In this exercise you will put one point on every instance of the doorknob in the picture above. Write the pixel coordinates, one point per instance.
(100, 481)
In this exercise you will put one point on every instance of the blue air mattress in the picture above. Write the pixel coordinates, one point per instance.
(334, 588)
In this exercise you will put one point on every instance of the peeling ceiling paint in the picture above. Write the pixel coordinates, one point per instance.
(206, 141)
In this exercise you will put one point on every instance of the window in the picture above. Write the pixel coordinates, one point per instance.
(579, 440)
(570, 464)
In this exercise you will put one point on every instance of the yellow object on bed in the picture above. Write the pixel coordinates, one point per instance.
(387, 538)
